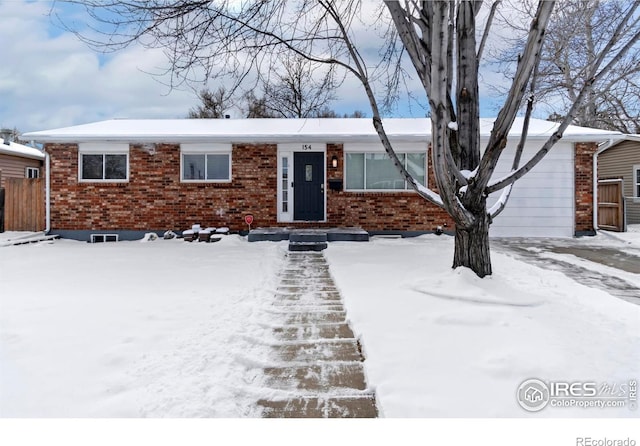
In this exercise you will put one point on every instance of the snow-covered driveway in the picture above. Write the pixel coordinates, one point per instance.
(602, 262)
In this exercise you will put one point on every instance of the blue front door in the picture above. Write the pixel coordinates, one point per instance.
(308, 186)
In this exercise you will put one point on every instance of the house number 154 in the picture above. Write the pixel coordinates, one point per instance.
(306, 146)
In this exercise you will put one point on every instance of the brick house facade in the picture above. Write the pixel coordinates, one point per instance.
(155, 199)
(154, 196)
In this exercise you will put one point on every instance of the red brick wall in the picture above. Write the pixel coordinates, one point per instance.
(155, 199)
(584, 153)
(380, 211)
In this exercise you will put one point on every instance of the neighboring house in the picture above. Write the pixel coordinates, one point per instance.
(134, 176)
(621, 160)
(19, 161)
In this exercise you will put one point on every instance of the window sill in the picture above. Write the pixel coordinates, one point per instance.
(103, 181)
(206, 181)
(380, 191)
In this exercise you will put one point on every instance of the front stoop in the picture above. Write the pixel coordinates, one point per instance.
(300, 237)
(316, 366)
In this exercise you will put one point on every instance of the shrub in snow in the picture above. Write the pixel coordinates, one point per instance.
(149, 237)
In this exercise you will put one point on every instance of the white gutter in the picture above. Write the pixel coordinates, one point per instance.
(47, 162)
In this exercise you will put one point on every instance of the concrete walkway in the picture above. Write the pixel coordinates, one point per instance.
(529, 250)
(317, 364)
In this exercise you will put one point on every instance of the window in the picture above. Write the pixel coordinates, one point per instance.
(375, 171)
(104, 238)
(214, 167)
(104, 166)
(285, 184)
(32, 172)
(636, 181)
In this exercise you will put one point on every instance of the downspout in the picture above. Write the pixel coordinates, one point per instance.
(47, 192)
(604, 146)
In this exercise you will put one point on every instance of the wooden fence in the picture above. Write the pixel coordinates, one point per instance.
(610, 205)
(24, 204)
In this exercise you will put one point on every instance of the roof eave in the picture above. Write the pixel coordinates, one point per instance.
(34, 156)
(177, 139)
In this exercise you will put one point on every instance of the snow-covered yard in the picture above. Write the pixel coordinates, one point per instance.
(159, 329)
(129, 329)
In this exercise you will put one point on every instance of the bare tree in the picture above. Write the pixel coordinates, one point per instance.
(329, 113)
(300, 89)
(438, 37)
(213, 104)
(256, 107)
(577, 33)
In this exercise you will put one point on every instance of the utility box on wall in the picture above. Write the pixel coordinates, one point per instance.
(335, 184)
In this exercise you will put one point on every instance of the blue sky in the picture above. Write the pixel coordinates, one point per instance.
(49, 79)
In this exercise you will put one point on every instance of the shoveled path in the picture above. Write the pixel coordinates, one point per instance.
(316, 367)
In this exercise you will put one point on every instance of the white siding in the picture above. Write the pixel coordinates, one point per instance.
(542, 202)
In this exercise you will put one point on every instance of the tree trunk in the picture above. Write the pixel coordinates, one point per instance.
(472, 246)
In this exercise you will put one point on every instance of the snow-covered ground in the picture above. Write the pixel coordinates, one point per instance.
(158, 329)
(129, 329)
(442, 342)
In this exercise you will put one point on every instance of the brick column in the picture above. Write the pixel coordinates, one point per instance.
(583, 165)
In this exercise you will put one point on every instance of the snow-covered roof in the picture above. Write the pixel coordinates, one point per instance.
(634, 138)
(20, 150)
(282, 130)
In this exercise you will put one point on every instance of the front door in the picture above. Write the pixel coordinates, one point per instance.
(308, 186)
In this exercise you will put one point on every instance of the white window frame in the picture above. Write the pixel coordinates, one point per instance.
(104, 238)
(376, 148)
(29, 172)
(103, 149)
(635, 178)
(206, 149)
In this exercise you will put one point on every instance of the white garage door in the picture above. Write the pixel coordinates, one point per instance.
(542, 202)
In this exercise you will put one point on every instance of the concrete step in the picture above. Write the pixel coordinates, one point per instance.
(307, 281)
(310, 273)
(335, 377)
(305, 288)
(309, 296)
(338, 350)
(307, 246)
(307, 318)
(307, 237)
(347, 235)
(308, 307)
(304, 259)
(311, 332)
(361, 406)
(268, 235)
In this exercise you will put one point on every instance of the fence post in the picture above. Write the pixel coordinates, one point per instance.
(2, 209)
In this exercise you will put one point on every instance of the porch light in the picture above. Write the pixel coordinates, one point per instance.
(334, 161)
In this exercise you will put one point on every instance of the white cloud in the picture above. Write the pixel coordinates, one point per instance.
(48, 82)
(51, 79)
